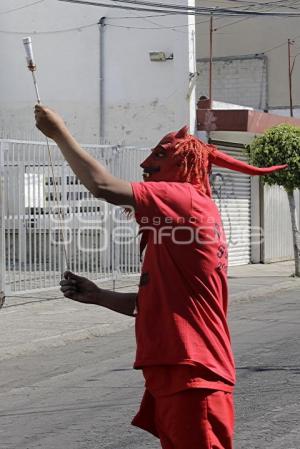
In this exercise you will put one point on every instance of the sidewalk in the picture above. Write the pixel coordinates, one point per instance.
(45, 319)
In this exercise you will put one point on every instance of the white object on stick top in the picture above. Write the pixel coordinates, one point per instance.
(29, 52)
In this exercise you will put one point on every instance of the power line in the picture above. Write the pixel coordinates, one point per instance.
(167, 27)
(175, 8)
(186, 25)
(280, 45)
(179, 26)
(158, 27)
(81, 27)
(21, 7)
(66, 30)
(215, 11)
(139, 17)
(132, 8)
(244, 19)
(277, 3)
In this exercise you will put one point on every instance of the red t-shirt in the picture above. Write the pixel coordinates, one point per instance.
(182, 299)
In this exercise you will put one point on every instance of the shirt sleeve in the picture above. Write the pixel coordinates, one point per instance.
(171, 201)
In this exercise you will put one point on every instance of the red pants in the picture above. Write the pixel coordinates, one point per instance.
(190, 419)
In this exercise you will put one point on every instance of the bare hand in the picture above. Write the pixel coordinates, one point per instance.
(48, 121)
(79, 288)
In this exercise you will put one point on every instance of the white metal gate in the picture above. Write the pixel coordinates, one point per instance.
(101, 241)
(232, 193)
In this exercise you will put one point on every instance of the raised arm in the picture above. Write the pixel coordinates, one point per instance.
(93, 175)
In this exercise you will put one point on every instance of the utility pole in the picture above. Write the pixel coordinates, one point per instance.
(2, 228)
(291, 66)
(210, 60)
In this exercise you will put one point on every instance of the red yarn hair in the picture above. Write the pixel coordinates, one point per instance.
(195, 157)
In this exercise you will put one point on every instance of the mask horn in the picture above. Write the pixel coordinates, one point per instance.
(224, 160)
(182, 133)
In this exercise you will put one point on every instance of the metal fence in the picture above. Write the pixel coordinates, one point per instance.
(101, 239)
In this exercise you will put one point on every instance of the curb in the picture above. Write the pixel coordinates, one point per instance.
(252, 294)
(60, 340)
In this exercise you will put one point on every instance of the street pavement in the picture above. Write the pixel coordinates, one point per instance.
(83, 395)
(45, 319)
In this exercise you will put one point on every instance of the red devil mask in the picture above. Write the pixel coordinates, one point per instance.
(162, 164)
(181, 157)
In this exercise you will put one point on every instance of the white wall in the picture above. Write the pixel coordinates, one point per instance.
(143, 99)
(256, 35)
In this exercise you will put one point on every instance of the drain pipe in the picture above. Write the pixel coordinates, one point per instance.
(101, 24)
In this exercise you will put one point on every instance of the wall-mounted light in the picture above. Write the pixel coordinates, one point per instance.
(160, 56)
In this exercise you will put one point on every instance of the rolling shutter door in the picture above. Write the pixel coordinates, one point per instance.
(232, 194)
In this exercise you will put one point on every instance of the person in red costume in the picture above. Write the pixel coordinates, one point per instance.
(183, 340)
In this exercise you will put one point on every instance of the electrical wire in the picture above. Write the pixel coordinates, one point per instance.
(277, 3)
(66, 30)
(142, 7)
(217, 29)
(181, 9)
(196, 9)
(225, 25)
(174, 28)
(82, 27)
(241, 20)
(138, 17)
(21, 7)
(279, 45)
(232, 23)
(132, 8)
(158, 27)
(160, 14)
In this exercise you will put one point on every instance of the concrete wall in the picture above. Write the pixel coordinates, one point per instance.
(142, 99)
(252, 36)
(235, 80)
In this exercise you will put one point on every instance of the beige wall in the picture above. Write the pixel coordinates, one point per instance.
(253, 36)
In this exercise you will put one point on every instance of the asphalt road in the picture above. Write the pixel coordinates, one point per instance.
(84, 395)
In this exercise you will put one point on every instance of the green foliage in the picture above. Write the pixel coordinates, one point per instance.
(278, 145)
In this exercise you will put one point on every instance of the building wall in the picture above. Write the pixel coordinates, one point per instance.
(235, 80)
(142, 99)
(252, 36)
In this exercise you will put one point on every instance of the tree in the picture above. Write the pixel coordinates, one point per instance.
(281, 145)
